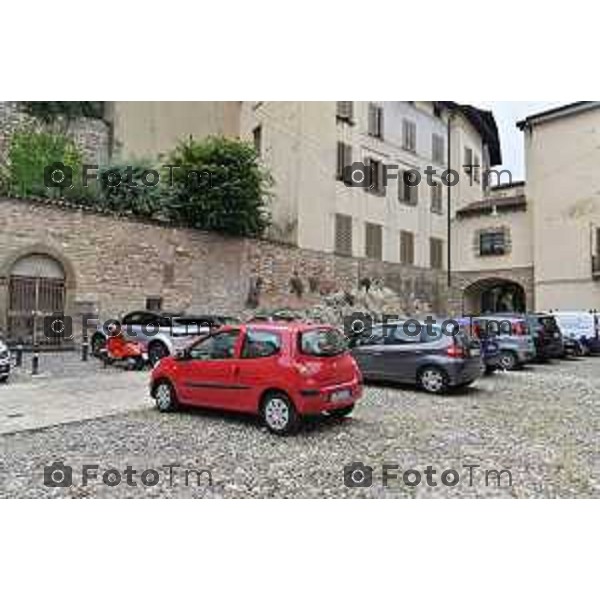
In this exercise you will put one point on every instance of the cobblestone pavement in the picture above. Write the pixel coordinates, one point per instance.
(542, 424)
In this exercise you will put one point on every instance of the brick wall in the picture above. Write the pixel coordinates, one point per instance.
(114, 264)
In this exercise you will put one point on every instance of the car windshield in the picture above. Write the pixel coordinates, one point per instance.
(323, 342)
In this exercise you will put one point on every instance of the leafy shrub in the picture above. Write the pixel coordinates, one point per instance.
(122, 189)
(30, 152)
(218, 185)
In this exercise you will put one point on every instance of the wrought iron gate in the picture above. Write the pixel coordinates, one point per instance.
(31, 301)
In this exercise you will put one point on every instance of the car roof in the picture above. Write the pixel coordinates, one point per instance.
(278, 326)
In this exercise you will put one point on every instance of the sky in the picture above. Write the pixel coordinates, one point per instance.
(511, 138)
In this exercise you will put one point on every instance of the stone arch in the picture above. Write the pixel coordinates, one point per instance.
(494, 294)
(16, 265)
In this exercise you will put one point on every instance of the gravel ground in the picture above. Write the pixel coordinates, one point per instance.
(542, 424)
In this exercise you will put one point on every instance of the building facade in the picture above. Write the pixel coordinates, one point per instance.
(306, 146)
(562, 153)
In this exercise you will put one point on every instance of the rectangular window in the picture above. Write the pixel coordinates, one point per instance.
(468, 160)
(409, 135)
(373, 241)
(375, 121)
(343, 235)
(154, 303)
(345, 111)
(492, 243)
(376, 176)
(438, 149)
(436, 253)
(407, 248)
(436, 198)
(344, 159)
(407, 194)
(257, 139)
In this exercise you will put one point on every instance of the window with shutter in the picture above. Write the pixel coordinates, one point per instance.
(436, 253)
(375, 126)
(343, 235)
(344, 159)
(407, 248)
(467, 165)
(438, 148)
(373, 241)
(407, 194)
(409, 135)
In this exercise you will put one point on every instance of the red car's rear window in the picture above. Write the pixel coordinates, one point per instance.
(322, 342)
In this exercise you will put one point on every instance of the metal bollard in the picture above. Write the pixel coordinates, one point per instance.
(19, 355)
(35, 361)
(84, 348)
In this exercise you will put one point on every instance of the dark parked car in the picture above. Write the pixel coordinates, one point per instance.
(546, 335)
(435, 361)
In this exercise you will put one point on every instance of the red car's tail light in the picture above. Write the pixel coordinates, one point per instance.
(455, 351)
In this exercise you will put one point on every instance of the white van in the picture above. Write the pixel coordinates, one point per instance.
(582, 326)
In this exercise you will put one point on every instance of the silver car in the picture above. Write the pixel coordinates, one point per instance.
(161, 333)
(512, 336)
(432, 360)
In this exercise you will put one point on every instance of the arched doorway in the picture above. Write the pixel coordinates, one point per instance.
(36, 290)
(494, 296)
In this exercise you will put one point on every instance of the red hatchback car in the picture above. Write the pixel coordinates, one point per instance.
(281, 371)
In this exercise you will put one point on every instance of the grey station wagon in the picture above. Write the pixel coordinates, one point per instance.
(432, 360)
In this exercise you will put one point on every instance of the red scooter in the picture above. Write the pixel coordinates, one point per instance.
(120, 351)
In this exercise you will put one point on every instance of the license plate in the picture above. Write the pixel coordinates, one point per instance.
(475, 352)
(341, 395)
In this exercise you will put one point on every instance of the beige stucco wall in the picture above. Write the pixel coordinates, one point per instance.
(465, 241)
(563, 189)
(149, 129)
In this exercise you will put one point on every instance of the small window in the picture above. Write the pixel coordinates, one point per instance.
(438, 149)
(436, 253)
(343, 234)
(468, 163)
(154, 303)
(407, 194)
(323, 342)
(492, 243)
(261, 344)
(257, 139)
(436, 198)
(373, 241)
(407, 248)
(375, 127)
(345, 111)
(409, 135)
(344, 159)
(220, 346)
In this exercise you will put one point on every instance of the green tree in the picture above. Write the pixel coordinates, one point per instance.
(218, 184)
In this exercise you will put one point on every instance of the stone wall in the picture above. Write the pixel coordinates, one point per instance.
(114, 264)
(91, 135)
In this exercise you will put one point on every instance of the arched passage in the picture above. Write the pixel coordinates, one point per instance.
(36, 286)
(494, 295)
